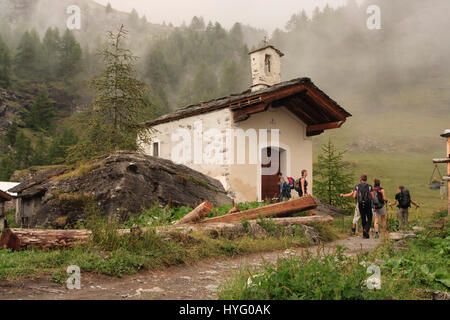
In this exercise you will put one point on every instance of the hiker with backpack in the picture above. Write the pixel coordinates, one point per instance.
(356, 216)
(301, 185)
(363, 195)
(379, 208)
(285, 191)
(403, 198)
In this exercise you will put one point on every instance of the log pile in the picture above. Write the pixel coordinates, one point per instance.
(18, 239)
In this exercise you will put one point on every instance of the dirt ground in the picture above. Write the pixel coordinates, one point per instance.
(197, 281)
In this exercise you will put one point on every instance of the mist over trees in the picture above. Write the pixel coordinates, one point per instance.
(202, 60)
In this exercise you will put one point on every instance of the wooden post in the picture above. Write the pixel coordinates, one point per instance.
(448, 168)
(446, 160)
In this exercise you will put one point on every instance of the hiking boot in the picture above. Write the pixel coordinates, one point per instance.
(366, 235)
(377, 235)
(353, 231)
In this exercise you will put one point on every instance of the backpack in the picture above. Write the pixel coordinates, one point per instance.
(297, 185)
(404, 200)
(291, 182)
(364, 195)
(378, 201)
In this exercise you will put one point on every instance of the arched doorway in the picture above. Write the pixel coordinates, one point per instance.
(277, 159)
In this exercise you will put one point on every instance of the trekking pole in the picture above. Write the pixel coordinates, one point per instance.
(343, 221)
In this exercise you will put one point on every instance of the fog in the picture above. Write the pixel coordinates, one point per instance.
(261, 14)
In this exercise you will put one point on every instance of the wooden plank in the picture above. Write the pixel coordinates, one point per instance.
(324, 126)
(326, 103)
(277, 210)
(443, 160)
(239, 114)
(197, 214)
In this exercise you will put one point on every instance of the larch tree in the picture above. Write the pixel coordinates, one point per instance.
(332, 176)
(119, 106)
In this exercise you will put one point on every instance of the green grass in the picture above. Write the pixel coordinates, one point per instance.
(110, 253)
(422, 265)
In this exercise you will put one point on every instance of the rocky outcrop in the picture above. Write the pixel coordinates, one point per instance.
(120, 184)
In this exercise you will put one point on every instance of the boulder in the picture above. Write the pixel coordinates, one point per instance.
(120, 184)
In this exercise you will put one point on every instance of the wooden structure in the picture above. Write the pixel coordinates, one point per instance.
(4, 197)
(277, 210)
(300, 96)
(446, 160)
(197, 214)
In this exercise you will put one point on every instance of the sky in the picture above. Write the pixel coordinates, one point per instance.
(265, 14)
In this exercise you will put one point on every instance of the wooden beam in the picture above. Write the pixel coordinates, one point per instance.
(324, 126)
(197, 214)
(443, 160)
(300, 113)
(314, 133)
(277, 210)
(326, 104)
(316, 106)
(244, 113)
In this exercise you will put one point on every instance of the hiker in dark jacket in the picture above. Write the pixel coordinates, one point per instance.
(379, 208)
(301, 185)
(363, 194)
(403, 198)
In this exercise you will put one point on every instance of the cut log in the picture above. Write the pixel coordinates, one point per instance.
(275, 210)
(233, 210)
(17, 239)
(197, 214)
(302, 220)
(233, 230)
(278, 221)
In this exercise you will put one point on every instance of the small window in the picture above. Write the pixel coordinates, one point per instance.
(267, 65)
(156, 149)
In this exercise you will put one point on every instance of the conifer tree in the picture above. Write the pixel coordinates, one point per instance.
(5, 65)
(27, 61)
(42, 112)
(119, 104)
(332, 176)
(70, 55)
(51, 47)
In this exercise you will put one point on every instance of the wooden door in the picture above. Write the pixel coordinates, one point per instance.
(269, 183)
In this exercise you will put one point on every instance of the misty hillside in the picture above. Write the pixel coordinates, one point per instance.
(395, 81)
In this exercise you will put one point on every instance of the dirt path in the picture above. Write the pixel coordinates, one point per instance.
(198, 281)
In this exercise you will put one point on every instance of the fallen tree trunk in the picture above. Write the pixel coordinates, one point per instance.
(17, 239)
(233, 210)
(233, 230)
(278, 221)
(276, 210)
(197, 214)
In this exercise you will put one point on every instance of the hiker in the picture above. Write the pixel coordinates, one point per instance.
(282, 183)
(356, 215)
(301, 185)
(403, 198)
(379, 207)
(363, 194)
